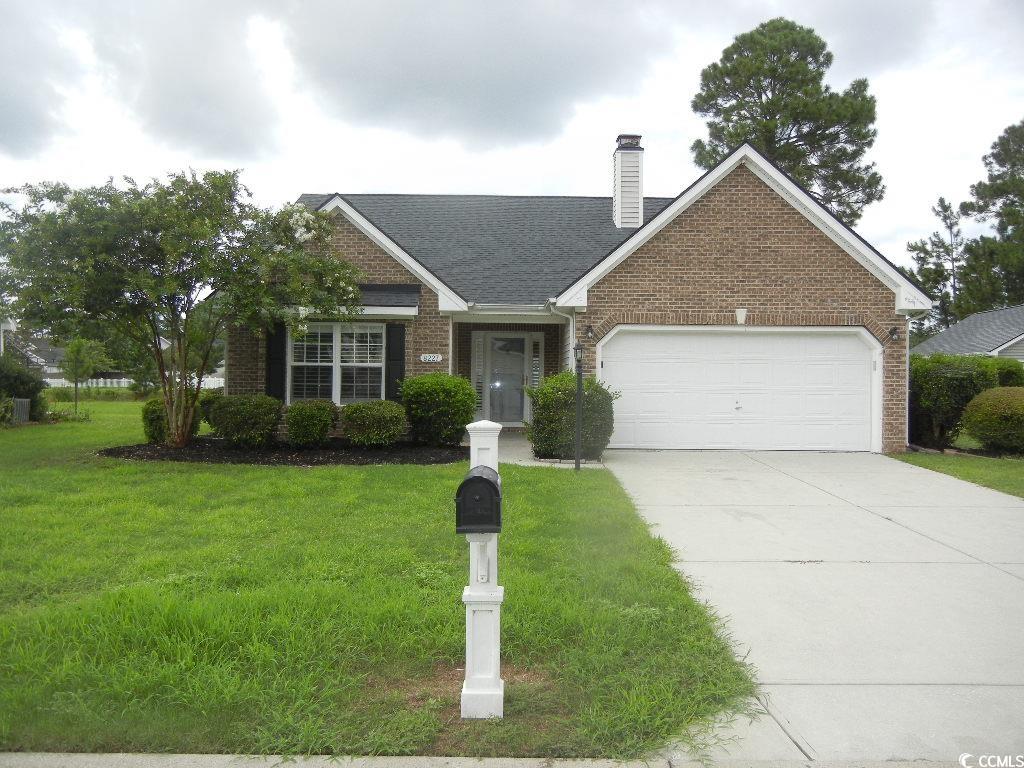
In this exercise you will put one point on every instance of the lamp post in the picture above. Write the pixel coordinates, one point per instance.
(578, 353)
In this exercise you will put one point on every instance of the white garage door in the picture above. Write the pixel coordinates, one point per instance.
(753, 389)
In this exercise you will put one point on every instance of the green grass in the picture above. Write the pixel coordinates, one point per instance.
(1002, 474)
(169, 607)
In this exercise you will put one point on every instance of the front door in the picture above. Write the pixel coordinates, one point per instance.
(506, 378)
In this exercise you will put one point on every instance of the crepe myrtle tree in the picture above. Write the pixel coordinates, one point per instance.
(168, 264)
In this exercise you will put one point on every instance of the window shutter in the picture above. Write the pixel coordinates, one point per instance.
(394, 359)
(276, 352)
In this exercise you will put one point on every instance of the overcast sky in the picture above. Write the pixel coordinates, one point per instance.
(474, 96)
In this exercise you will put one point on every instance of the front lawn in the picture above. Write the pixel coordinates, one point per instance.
(171, 607)
(1002, 474)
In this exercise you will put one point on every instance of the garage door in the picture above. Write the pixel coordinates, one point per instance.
(752, 389)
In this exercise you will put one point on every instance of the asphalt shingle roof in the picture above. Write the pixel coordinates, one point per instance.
(382, 295)
(497, 249)
(976, 334)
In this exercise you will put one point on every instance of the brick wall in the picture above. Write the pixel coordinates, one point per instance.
(428, 333)
(741, 245)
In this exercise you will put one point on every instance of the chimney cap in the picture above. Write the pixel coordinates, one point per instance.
(628, 141)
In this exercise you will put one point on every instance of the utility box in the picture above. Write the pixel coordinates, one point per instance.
(478, 502)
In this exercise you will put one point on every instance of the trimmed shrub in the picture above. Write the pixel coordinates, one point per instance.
(374, 424)
(17, 381)
(553, 429)
(941, 386)
(1009, 372)
(438, 406)
(246, 421)
(206, 400)
(995, 418)
(154, 421)
(310, 422)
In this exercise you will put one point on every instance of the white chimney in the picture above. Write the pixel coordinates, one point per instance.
(628, 184)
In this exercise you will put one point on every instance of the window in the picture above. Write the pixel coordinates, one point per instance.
(362, 363)
(339, 362)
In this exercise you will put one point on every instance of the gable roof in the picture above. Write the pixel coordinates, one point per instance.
(978, 334)
(497, 249)
(909, 295)
(524, 250)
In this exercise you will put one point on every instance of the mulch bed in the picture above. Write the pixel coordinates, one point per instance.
(210, 450)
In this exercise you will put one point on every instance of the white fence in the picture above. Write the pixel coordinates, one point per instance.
(210, 382)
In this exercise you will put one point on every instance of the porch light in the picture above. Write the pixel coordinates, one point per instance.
(894, 334)
(578, 353)
(588, 333)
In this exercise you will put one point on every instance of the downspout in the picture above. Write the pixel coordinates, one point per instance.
(553, 309)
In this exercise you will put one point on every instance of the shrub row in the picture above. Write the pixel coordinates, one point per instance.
(941, 386)
(67, 394)
(435, 410)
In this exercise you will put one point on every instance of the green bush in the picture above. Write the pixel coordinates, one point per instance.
(553, 429)
(21, 382)
(154, 421)
(310, 422)
(438, 406)
(374, 424)
(206, 400)
(1009, 372)
(6, 410)
(246, 421)
(941, 386)
(67, 394)
(995, 418)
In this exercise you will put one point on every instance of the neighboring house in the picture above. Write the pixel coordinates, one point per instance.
(738, 315)
(997, 332)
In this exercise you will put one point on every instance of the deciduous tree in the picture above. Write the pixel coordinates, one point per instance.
(82, 358)
(168, 264)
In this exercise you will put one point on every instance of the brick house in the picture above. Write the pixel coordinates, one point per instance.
(740, 314)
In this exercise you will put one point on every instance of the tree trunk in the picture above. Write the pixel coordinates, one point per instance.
(76, 397)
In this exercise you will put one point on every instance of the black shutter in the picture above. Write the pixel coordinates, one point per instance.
(394, 362)
(276, 341)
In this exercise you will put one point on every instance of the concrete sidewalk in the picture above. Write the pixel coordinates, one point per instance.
(882, 604)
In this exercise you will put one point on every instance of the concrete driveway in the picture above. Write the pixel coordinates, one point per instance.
(882, 604)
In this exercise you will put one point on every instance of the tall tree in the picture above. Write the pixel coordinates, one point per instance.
(82, 358)
(768, 89)
(999, 200)
(147, 260)
(939, 262)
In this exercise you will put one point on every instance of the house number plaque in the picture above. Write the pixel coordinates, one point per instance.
(431, 358)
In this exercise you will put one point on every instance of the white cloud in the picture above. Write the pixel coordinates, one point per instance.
(458, 97)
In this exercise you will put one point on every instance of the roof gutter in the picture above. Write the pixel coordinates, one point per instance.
(552, 307)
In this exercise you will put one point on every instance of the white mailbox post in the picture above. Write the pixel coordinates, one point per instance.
(483, 692)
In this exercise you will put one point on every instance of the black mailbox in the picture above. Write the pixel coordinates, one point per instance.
(478, 502)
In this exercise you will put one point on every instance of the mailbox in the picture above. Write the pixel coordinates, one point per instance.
(478, 502)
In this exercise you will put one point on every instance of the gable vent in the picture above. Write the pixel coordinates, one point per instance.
(627, 183)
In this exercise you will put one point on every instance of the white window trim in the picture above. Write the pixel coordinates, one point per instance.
(336, 365)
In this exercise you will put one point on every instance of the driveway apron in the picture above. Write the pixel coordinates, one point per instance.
(881, 604)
